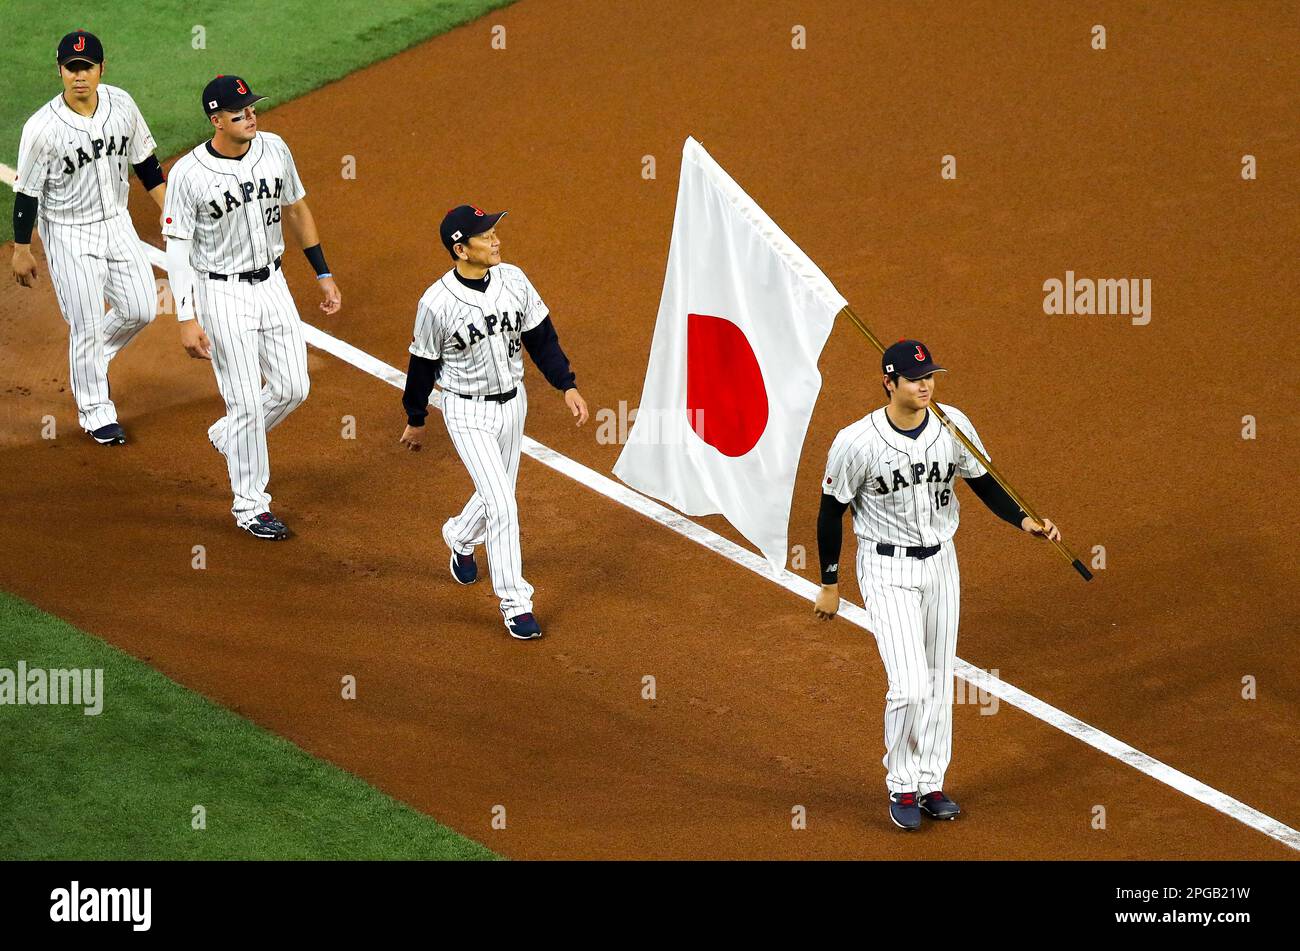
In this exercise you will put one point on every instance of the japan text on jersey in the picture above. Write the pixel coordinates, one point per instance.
(901, 489)
(242, 193)
(77, 166)
(231, 208)
(477, 334)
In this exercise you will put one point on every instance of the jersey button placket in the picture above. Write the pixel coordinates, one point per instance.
(259, 230)
(103, 170)
(921, 499)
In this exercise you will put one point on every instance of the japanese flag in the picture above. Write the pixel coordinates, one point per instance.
(733, 364)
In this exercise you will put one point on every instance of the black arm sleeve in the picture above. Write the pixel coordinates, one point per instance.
(150, 173)
(830, 537)
(996, 498)
(543, 346)
(316, 257)
(24, 217)
(421, 374)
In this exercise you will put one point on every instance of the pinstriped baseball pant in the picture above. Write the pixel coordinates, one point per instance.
(488, 437)
(256, 334)
(89, 263)
(913, 607)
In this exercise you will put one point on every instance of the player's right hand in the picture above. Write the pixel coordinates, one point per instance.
(195, 341)
(24, 265)
(413, 438)
(1045, 530)
(828, 602)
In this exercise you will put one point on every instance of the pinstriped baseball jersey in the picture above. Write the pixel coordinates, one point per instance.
(902, 490)
(77, 166)
(230, 208)
(476, 334)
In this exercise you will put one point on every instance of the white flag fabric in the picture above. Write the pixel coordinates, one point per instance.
(733, 364)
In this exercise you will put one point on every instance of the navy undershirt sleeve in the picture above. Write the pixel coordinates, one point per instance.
(421, 374)
(24, 217)
(149, 172)
(543, 346)
(830, 537)
(1001, 504)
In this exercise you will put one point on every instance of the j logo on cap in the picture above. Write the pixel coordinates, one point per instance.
(895, 360)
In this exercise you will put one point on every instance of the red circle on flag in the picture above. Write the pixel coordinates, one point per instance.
(726, 400)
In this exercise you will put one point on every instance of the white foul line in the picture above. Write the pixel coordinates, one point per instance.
(980, 679)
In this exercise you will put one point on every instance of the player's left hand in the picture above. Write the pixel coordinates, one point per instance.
(827, 604)
(24, 265)
(1046, 530)
(577, 405)
(333, 299)
(412, 438)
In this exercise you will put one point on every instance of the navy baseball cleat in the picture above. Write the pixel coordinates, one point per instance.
(110, 435)
(464, 569)
(523, 627)
(938, 806)
(266, 526)
(903, 811)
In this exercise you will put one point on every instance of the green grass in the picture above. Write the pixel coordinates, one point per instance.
(122, 785)
(283, 48)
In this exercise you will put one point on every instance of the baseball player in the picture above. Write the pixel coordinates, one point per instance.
(223, 217)
(72, 162)
(897, 467)
(471, 326)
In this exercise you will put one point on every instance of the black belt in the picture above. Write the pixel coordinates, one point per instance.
(920, 551)
(491, 398)
(252, 277)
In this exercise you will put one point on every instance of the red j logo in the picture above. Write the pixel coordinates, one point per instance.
(920, 354)
(239, 85)
(80, 45)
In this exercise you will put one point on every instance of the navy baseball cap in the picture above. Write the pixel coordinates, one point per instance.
(80, 45)
(228, 94)
(909, 358)
(465, 221)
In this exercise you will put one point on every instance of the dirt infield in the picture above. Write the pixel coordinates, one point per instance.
(1113, 164)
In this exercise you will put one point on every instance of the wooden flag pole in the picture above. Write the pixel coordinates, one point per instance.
(970, 447)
